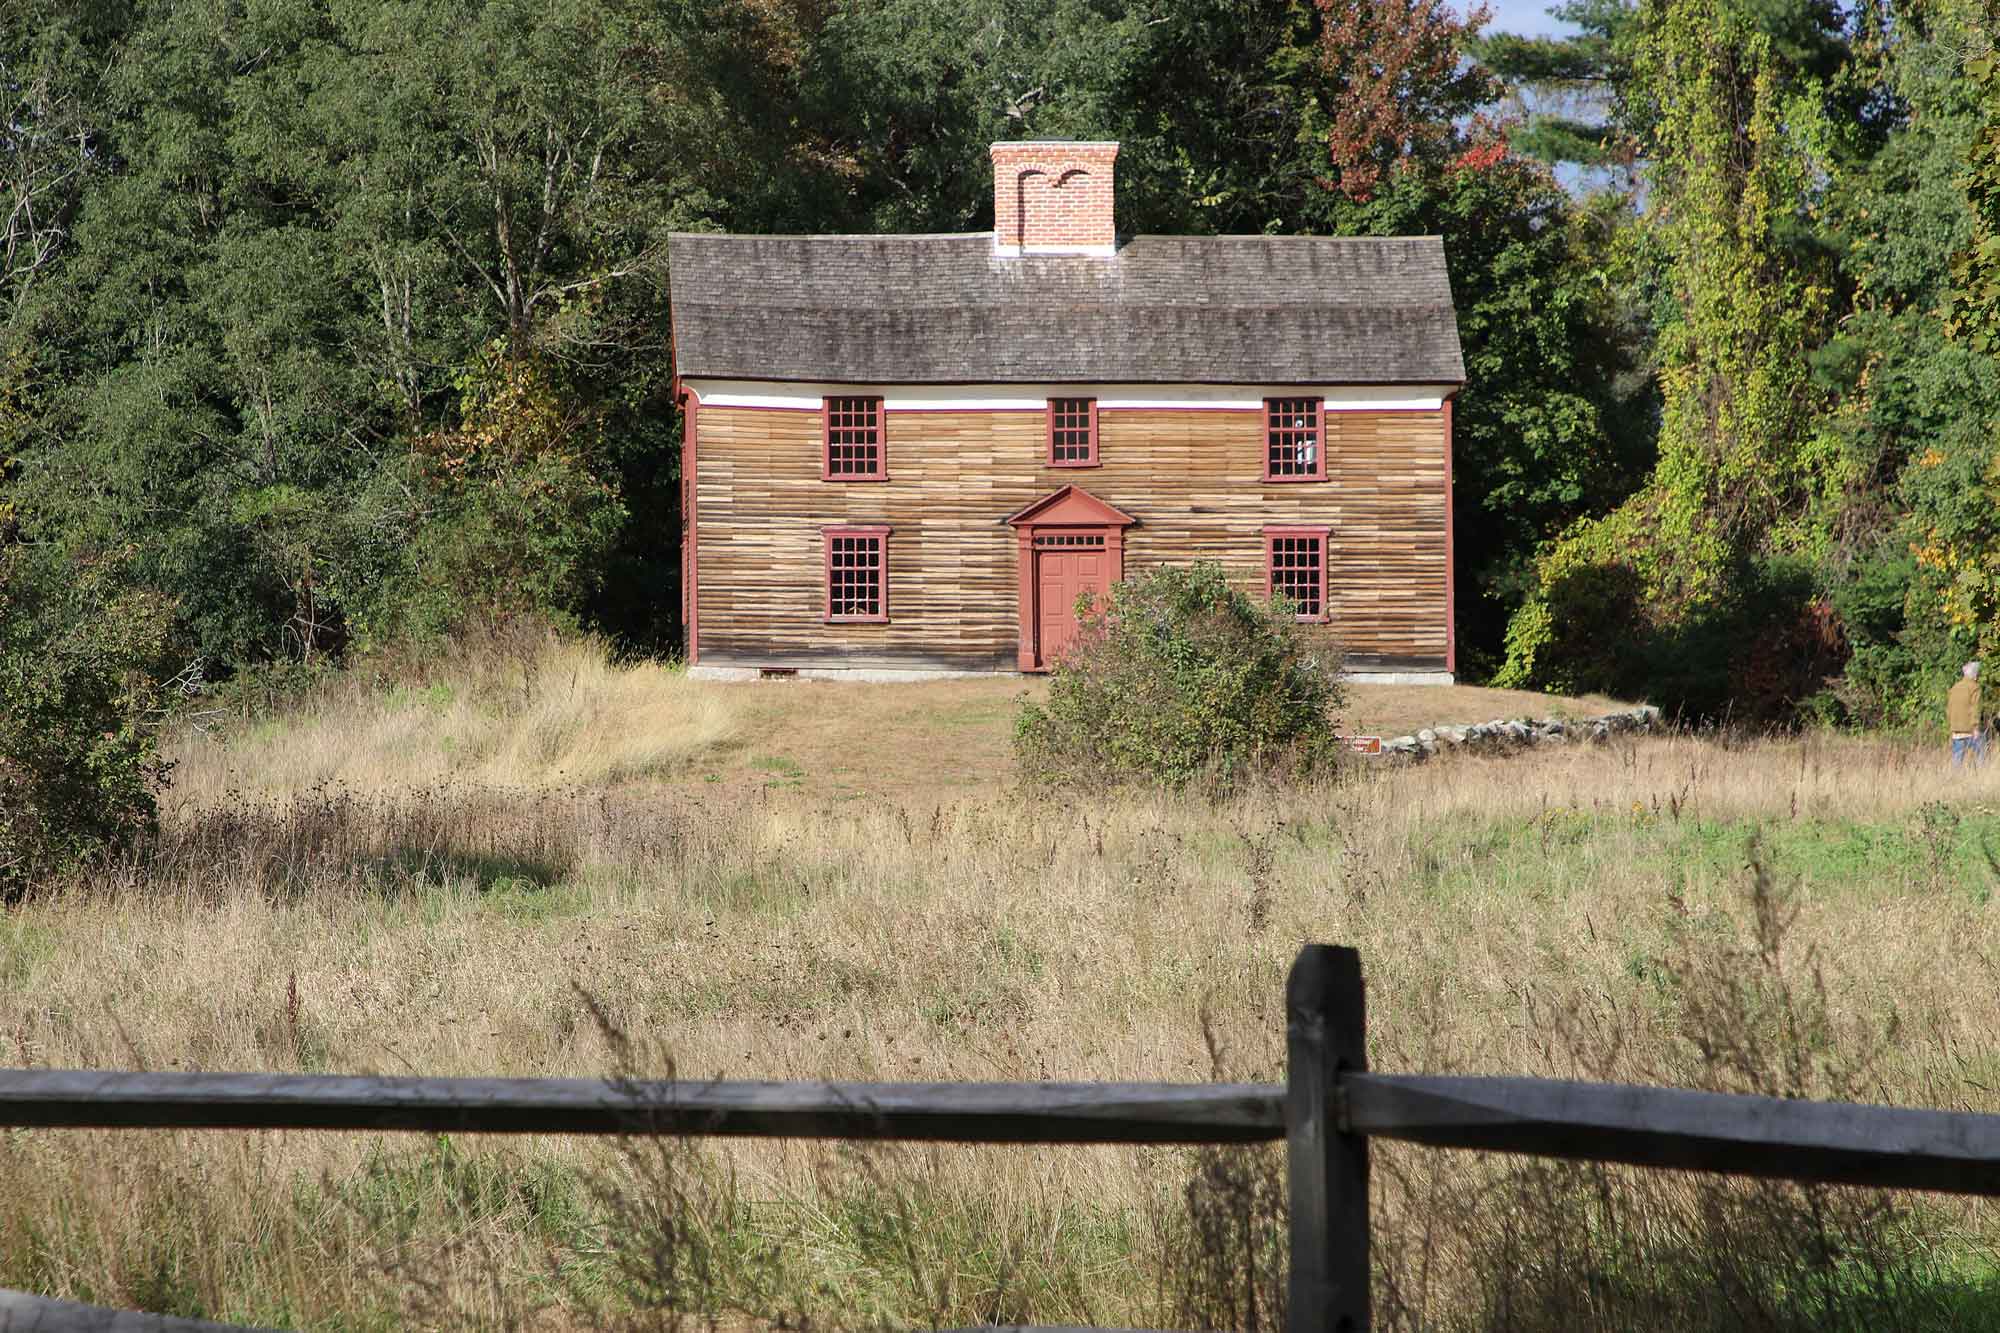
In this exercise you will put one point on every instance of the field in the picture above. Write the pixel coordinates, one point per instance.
(556, 866)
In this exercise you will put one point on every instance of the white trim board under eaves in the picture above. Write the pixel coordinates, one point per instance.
(1034, 397)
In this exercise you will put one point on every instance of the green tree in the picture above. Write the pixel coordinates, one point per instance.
(1920, 398)
(1283, 116)
(48, 139)
(79, 767)
(522, 513)
(1590, 103)
(1556, 420)
(1974, 315)
(909, 93)
(1578, 84)
(1736, 158)
(308, 218)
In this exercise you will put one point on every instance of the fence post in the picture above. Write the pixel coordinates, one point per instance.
(1325, 1029)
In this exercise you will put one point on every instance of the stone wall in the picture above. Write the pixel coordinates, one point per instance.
(1500, 734)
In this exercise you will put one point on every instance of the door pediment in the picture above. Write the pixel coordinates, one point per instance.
(1085, 550)
(1070, 507)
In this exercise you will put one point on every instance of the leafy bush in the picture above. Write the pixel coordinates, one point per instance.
(1180, 678)
(78, 764)
(1613, 612)
(512, 513)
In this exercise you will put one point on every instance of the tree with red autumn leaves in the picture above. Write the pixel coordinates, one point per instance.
(1400, 84)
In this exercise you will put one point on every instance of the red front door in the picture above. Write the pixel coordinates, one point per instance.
(1061, 576)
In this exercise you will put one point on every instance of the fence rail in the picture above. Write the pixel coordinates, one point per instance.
(1832, 1143)
(1328, 1109)
(938, 1112)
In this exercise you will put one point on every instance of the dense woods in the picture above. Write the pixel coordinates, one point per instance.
(330, 324)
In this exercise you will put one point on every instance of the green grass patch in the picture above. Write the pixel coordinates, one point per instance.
(528, 901)
(1940, 850)
(983, 714)
(433, 698)
(24, 946)
(785, 772)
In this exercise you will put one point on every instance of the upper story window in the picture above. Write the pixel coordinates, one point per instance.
(1293, 448)
(1072, 432)
(1295, 566)
(857, 572)
(854, 444)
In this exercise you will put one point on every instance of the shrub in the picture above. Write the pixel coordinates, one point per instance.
(1750, 640)
(78, 761)
(1180, 678)
(521, 509)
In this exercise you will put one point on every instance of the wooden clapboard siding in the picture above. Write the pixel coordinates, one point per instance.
(1190, 477)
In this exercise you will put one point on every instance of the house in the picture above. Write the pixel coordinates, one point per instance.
(910, 454)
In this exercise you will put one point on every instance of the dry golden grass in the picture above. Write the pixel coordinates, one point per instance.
(561, 713)
(1528, 915)
(1398, 710)
(952, 737)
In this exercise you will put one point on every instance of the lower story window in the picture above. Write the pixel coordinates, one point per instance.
(1295, 567)
(857, 573)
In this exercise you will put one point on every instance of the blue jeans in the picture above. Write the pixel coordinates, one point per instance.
(1973, 746)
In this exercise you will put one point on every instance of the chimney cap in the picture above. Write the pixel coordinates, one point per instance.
(1051, 143)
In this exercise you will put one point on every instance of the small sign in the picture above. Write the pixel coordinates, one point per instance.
(1365, 744)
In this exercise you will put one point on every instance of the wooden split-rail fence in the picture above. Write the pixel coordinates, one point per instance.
(1326, 1112)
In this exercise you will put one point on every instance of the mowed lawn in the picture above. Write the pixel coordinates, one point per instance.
(566, 867)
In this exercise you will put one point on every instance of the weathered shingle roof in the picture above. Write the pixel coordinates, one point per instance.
(1166, 309)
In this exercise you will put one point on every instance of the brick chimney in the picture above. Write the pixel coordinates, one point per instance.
(1053, 197)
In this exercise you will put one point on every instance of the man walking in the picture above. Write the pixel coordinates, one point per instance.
(1961, 714)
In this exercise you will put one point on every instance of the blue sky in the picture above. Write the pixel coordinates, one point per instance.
(1523, 16)
(1531, 18)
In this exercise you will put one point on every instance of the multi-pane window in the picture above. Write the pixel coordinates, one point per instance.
(854, 449)
(857, 584)
(1292, 443)
(1295, 567)
(1073, 432)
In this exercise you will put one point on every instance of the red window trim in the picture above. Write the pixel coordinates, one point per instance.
(877, 530)
(1319, 451)
(1325, 535)
(1091, 460)
(826, 472)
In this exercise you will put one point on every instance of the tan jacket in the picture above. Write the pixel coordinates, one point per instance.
(1961, 707)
